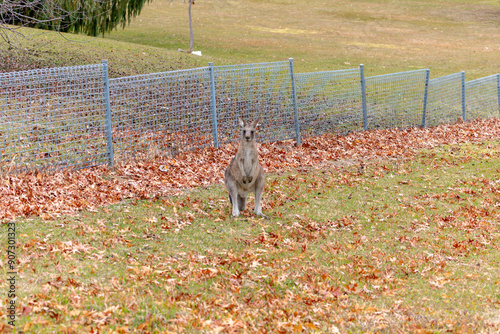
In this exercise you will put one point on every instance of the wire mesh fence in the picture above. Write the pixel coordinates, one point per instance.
(252, 91)
(446, 100)
(329, 102)
(52, 118)
(161, 113)
(395, 100)
(75, 117)
(482, 97)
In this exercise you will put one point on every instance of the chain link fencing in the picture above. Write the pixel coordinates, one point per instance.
(74, 117)
(160, 114)
(396, 100)
(329, 102)
(252, 91)
(53, 118)
(446, 100)
(482, 97)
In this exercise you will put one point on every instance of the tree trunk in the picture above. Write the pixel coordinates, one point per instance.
(190, 27)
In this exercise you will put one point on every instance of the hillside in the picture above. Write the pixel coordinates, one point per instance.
(444, 36)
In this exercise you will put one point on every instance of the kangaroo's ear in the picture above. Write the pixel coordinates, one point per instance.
(241, 121)
(256, 123)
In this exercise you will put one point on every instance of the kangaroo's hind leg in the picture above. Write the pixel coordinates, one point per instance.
(259, 188)
(236, 211)
(242, 202)
(232, 188)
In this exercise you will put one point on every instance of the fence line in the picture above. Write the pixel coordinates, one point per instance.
(363, 96)
(107, 108)
(161, 113)
(396, 100)
(52, 118)
(480, 97)
(75, 117)
(446, 101)
(329, 102)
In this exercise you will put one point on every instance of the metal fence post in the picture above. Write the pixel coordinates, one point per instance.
(213, 105)
(463, 97)
(294, 99)
(363, 96)
(107, 107)
(426, 92)
(498, 90)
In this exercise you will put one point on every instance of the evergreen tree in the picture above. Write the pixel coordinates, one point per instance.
(92, 17)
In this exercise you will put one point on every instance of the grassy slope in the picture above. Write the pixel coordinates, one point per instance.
(348, 251)
(387, 36)
(395, 246)
(50, 49)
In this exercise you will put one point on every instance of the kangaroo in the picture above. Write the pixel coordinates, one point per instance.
(244, 174)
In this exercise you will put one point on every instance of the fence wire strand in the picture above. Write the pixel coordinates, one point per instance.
(161, 114)
(52, 118)
(445, 100)
(329, 102)
(56, 118)
(482, 98)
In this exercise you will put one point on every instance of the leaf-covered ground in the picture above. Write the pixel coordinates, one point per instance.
(397, 233)
(67, 192)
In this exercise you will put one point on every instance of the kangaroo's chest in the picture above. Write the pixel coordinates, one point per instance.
(248, 160)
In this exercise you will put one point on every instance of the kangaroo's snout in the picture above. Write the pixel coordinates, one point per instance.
(248, 135)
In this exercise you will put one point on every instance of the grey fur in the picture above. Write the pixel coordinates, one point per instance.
(244, 174)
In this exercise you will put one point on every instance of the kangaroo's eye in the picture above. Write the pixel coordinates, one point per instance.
(252, 132)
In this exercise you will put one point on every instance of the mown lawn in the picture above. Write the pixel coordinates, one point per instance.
(43, 49)
(445, 36)
(387, 36)
(382, 246)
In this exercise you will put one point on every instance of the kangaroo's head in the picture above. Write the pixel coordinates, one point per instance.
(248, 129)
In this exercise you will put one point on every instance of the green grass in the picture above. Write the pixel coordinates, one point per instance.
(386, 246)
(386, 36)
(50, 49)
(442, 35)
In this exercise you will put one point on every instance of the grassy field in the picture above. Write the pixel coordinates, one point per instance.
(386, 246)
(389, 246)
(387, 36)
(50, 49)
